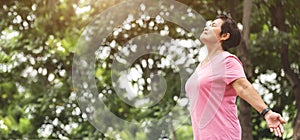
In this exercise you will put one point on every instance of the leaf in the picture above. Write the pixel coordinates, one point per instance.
(24, 125)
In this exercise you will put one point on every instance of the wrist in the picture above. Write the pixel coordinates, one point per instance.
(265, 112)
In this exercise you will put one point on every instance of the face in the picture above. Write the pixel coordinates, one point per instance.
(211, 34)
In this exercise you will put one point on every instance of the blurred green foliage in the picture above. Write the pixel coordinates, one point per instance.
(37, 46)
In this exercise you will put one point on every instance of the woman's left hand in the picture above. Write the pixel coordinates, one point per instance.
(275, 123)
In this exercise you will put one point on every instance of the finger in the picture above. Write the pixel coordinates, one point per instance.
(281, 128)
(278, 131)
(282, 120)
(271, 130)
(275, 131)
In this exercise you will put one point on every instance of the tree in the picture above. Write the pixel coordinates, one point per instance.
(245, 109)
(37, 42)
(37, 99)
(278, 20)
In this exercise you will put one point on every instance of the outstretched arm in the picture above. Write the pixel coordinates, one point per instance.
(247, 92)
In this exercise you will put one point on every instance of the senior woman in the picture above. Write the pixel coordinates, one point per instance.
(217, 81)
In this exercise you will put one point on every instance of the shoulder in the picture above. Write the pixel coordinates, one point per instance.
(231, 58)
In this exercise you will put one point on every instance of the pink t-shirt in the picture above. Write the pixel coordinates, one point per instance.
(212, 98)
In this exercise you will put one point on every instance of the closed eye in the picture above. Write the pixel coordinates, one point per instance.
(213, 25)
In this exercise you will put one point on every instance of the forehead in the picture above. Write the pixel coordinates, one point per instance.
(218, 22)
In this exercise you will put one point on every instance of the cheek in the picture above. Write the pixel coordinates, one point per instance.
(214, 34)
(209, 37)
(217, 32)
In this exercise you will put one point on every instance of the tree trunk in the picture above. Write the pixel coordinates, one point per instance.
(295, 82)
(296, 123)
(245, 116)
(278, 20)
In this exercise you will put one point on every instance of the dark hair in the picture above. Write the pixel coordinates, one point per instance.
(230, 26)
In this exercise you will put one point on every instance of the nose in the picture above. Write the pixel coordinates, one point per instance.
(206, 28)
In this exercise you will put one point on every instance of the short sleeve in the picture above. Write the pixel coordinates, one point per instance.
(233, 69)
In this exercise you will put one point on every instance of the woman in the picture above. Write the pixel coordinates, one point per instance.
(215, 84)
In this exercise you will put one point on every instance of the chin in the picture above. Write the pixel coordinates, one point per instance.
(202, 39)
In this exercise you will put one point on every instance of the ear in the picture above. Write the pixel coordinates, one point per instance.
(225, 36)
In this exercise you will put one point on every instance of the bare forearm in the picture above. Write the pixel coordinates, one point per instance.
(247, 92)
(251, 96)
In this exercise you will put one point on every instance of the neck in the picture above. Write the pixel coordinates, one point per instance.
(213, 50)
